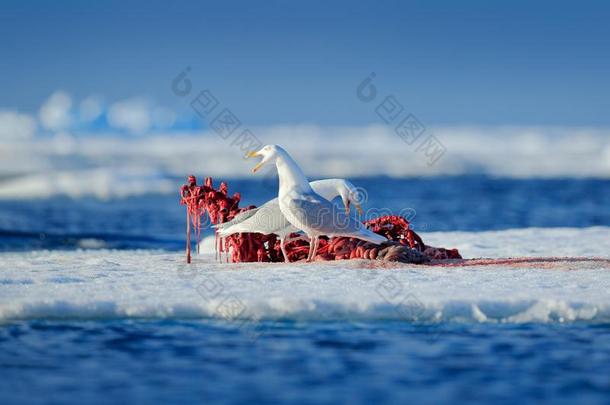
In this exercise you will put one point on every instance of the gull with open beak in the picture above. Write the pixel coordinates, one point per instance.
(304, 208)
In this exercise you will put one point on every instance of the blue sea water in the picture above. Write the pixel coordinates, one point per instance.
(215, 361)
(326, 363)
(466, 203)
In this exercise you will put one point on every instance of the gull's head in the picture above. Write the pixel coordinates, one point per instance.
(268, 152)
(349, 195)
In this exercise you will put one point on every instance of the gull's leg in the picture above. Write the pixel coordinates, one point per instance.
(284, 252)
(311, 243)
(313, 247)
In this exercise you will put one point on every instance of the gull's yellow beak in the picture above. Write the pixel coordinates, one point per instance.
(259, 165)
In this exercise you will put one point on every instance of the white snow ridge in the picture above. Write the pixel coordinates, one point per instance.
(102, 284)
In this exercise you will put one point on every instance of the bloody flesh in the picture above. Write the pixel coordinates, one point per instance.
(403, 244)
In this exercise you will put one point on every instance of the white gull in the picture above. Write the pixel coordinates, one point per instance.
(304, 208)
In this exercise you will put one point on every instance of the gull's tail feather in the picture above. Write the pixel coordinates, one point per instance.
(238, 219)
(230, 230)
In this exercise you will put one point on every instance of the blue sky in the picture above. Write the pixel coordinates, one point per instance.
(450, 63)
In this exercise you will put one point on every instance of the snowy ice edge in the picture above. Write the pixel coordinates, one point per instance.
(526, 311)
(105, 284)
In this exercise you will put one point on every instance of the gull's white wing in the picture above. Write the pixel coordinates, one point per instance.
(286, 230)
(266, 220)
(321, 216)
(241, 217)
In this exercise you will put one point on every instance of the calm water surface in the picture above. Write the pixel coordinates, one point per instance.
(392, 362)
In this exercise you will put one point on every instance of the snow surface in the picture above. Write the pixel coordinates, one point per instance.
(103, 284)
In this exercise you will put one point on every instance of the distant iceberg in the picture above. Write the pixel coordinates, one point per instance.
(118, 165)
